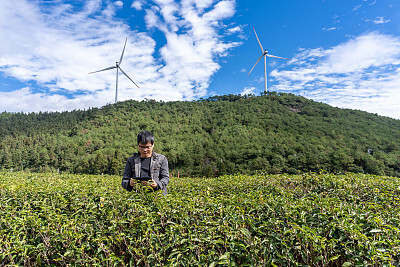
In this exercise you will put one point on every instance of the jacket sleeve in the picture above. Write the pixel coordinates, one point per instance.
(128, 173)
(163, 175)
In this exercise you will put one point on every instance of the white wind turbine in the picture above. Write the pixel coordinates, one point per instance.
(265, 55)
(118, 67)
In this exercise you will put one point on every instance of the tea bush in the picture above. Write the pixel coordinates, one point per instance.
(236, 220)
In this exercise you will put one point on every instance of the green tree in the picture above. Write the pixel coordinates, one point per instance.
(116, 163)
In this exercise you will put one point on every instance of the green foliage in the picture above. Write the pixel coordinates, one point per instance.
(237, 220)
(274, 133)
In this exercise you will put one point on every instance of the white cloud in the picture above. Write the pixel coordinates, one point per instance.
(248, 90)
(189, 53)
(55, 45)
(137, 5)
(362, 73)
(151, 18)
(119, 4)
(329, 29)
(235, 29)
(370, 50)
(380, 20)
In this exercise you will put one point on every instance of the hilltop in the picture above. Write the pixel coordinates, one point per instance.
(272, 133)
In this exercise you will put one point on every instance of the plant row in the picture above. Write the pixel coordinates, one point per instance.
(233, 220)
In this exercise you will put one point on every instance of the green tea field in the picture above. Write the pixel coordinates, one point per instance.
(237, 220)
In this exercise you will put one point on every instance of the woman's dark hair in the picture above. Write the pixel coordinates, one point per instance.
(145, 137)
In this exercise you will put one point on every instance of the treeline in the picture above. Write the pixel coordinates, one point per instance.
(274, 133)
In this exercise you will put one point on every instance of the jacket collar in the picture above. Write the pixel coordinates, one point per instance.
(153, 156)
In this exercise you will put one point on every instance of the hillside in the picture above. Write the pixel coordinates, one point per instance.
(273, 133)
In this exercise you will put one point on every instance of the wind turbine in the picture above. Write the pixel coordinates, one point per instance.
(265, 55)
(118, 67)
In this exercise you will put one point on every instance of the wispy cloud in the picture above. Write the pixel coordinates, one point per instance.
(55, 45)
(362, 73)
(237, 29)
(380, 20)
(248, 90)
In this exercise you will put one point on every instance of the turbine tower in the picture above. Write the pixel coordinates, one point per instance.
(118, 67)
(265, 55)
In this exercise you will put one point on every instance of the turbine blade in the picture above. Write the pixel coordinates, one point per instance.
(268, 55)
(128, 77)
(109, 68)
(123, 50)
(262, 49)
(255, 64)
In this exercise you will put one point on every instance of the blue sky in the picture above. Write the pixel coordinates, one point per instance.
(344, 53)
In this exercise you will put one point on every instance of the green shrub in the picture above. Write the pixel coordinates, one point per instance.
(237, 220)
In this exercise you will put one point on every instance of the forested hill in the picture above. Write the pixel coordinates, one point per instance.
(272, 133)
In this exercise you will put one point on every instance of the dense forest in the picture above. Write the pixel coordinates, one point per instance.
(272, 133)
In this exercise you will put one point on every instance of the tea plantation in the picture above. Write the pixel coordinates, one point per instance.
(237, 220)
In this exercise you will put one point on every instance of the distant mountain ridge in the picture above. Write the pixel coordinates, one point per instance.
(273, 133)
